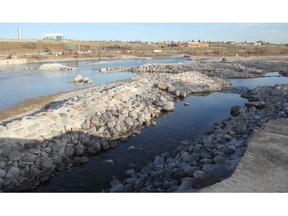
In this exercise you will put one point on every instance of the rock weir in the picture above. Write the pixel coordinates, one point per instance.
(35, 147)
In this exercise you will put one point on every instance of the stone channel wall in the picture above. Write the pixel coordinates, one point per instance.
(34, 147)
(207, 159)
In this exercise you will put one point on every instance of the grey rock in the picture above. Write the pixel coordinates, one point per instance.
(183, 94)
(115, 182)
(2, 164)
(81, 160)
(69, 151)
(34, 151)
(2, 173)
(219, 171)
(130, 172)
(130, 180)
(171, 89)
(47, 164)
(219, 159)
(189, 171)
(235, 111)
(177, 93)
(13, 173)
(158, 160)
(198, 174)
(185, 186)
(30, 157)
(104, 145)
(79, 150)
(117, 188)
(109, 161)
(129, 188)
(185, 142)
(35, 171)
(168, 106)
(14, 156)
(206, 167)
(204, 181)
(206, 161)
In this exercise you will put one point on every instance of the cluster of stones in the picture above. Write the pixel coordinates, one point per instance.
(113, 69)
(222, 69)
(54, 66)
(35, 147)
(82, 80)
(207, 159)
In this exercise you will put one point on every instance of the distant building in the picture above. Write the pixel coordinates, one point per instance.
(13, 57)
(258, 43)
(157, 51)
(55, 36)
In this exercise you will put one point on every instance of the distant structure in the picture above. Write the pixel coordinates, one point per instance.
(19, 33)
(55, 36)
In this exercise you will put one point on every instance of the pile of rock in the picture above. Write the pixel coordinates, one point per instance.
(222, 69)
(163, 68)
(205, 160)
(114, 69)
(83, 80)
(184, 84)
(54, 66)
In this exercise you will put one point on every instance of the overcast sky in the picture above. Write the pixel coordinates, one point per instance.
(274, 33)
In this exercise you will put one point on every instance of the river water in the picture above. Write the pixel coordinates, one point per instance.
(16, 86)
(172, 128)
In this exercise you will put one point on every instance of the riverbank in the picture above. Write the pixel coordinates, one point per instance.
(208, 159)
(37, 146)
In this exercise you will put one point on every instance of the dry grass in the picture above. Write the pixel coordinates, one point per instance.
(101, 49)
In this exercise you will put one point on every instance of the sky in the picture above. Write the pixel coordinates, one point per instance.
(250, 32)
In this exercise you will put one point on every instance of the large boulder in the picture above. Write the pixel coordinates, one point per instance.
(168, 106)
(87, 80)
(78, 78)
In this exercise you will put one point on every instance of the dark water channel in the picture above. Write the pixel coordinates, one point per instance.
(172, 128)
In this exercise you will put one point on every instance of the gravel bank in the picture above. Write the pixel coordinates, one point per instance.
(205, 160)
(228, 67)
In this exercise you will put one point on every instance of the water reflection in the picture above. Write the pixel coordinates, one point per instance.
(137, 151)
(16, 86)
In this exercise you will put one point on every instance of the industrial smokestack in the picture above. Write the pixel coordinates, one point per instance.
(19, 34)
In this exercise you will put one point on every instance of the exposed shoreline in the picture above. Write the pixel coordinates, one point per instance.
(40, 102)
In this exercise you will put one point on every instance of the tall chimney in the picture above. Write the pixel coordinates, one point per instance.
(19, 34)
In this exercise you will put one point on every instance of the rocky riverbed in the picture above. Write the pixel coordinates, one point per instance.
(229, 67)
(35, 147)
(205, 160)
